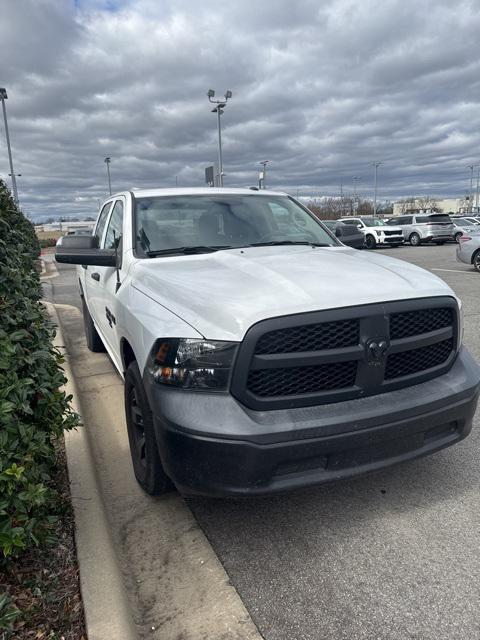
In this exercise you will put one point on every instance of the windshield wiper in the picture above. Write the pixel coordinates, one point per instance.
(187, 250)
(274, 243)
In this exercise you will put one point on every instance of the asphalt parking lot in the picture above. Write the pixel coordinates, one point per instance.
(393, 555)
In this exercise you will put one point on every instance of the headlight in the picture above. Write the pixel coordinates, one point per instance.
(378, 232)
(192, 364)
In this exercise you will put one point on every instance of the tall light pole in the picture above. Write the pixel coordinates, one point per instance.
(355, 203)
(264, 172)
(375, 164)
(470, 194)
(220, 106)
(107, 162)
(3, 97)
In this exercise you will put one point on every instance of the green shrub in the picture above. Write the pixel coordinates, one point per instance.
(33, 410)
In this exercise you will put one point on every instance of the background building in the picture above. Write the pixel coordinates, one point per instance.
(419, 204)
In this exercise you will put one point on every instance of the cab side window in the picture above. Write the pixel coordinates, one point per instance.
(115, 229)
(102, 219)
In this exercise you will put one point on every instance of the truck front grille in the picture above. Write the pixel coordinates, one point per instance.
(310, 337)
(290, 381)
(406, 363)
(411, 323)
(330, 356)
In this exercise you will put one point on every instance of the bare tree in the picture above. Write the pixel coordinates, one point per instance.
(427, 202)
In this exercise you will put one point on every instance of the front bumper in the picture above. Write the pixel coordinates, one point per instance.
(210, 444)
(390, 239)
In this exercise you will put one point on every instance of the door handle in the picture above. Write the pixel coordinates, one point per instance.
(96, 276)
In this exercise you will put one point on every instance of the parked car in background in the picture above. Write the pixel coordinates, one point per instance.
(468, 250)
(376, 231)
(431, 227)
(473, 219)
(349, 234)
(463, 226)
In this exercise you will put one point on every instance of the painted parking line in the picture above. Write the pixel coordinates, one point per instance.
(456, 271)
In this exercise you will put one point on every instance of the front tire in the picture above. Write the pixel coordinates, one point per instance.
(147, 465)
(370, 242)
(476, 261)
(414, 240)
(94, 342)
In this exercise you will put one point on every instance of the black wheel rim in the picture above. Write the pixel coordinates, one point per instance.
(476, 262)
(138, 427)
(370, 243)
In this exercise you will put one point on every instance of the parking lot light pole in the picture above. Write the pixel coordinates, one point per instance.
(219, 109)
(3, 97)
(264, 173)
(107, 162)
(470, 194)
(375, 164)
(477, 189)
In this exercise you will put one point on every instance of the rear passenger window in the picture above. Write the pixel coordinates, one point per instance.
(102, 219)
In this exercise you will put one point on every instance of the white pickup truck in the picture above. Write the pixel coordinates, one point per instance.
(259, 353)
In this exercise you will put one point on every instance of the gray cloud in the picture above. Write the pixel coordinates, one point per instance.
(320, 89)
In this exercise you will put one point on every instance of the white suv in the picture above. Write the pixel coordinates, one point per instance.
(377, 232)
(259, 353)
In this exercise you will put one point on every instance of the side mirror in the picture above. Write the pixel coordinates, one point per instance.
(83, 250)
(338, 232)
(359, 226)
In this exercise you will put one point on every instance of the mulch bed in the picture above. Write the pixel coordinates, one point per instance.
(44, 584)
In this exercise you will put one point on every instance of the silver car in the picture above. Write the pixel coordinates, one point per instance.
(468, 250)
(425, 227)
(464, 226)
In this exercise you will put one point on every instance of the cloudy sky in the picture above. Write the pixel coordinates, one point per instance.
(320, 88)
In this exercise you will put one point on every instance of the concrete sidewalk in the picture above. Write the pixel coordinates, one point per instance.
(107, 610)
(175, 584)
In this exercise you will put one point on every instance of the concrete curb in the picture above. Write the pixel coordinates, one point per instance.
(107, 610)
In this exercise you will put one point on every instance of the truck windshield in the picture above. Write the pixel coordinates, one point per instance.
(204, 223)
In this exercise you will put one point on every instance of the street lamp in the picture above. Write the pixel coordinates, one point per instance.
(355, 203)
(107, 162)
(470, 194)
(478, 185)
(263, 174)
(375, 164)
(3, 97)
(219, 109)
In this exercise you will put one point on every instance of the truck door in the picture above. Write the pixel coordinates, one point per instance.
(106, 307)
(92, 287)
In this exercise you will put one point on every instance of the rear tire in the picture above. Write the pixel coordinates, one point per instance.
(94, 342)
(414, 240)
(370, 242)
(147, 465)
(476, 260)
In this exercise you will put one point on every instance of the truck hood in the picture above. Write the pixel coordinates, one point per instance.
(223, 294)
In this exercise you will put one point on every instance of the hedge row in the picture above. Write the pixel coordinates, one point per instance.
(33, 410)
